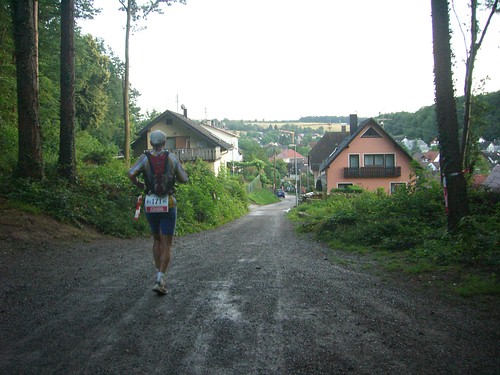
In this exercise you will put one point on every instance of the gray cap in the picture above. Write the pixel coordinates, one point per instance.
(157, 137)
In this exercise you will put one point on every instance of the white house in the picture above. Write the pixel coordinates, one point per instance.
(412, 144)
(234, 154)
(493, 147)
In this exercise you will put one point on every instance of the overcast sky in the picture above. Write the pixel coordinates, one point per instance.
(285, 59)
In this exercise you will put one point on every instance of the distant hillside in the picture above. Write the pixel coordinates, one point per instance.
(422, 124)
(326, 119)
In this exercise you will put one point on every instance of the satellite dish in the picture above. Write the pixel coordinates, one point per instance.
(183, 106)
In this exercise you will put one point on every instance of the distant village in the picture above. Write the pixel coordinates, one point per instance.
(358, 154)
(427, 155)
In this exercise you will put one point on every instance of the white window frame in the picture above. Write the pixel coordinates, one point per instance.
(384, 154)
(393, 186)
(349, 160)
(344, 183)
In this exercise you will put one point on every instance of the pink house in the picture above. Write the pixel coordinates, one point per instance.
(369, 158)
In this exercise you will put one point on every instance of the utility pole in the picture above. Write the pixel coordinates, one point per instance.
(296, 184)
(274, 157)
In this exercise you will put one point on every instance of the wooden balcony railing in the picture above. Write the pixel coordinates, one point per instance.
(372, 172)
(191, 154)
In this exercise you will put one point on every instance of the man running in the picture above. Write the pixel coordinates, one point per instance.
(162, 206)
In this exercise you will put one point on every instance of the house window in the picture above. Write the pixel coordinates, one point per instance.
(354, 161)
(182, 142)
(344, 185)
(389, 160)
(379, 160)
(170, 143)
(396, 185)
(202, 144)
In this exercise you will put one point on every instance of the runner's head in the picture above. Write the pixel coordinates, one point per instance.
(157, 138)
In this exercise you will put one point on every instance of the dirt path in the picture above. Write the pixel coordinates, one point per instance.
(247, 298)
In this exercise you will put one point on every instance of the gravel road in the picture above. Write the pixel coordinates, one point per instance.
(248, 298)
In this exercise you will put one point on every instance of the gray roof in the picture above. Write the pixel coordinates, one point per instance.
(324, 148)
(493, 179)
(190, 124)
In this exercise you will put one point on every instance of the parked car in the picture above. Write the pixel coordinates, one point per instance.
(280, 193)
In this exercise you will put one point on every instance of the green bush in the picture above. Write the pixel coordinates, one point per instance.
(91, 151)
(207, 201)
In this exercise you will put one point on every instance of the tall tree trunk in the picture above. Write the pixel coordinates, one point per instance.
(67, 162)
(446, 113)
(469, 68)
(30, 156)
(471, 59)
(126, 86)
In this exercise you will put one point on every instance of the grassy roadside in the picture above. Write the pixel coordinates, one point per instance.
(406, 235)
(263, 197)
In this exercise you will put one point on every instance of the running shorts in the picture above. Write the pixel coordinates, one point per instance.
(163, 222)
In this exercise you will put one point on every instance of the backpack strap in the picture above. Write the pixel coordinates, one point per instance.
(149, 183)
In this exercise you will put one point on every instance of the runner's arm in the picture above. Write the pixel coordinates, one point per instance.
(137, 168)
(180, 173)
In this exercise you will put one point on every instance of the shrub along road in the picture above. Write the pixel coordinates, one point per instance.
(248, 298)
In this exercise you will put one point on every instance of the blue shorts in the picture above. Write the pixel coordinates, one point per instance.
(164, 222)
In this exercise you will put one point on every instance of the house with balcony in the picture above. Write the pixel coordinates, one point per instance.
(186, 138)
(369, 157)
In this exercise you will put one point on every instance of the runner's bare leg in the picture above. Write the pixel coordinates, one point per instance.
(156, 249)
(165, 252)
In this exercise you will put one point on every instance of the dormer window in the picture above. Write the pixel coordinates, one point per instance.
(371, 133)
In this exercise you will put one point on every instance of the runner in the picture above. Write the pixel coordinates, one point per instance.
(162, 213)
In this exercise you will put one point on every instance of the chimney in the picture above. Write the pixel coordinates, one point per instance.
(344, 127)
(184, 110)
(353, 123)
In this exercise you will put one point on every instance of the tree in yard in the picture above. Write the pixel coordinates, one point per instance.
(30, 156)
(446, 114)
(67, 162)
(8, 116)
(473, 49)
(135, 12)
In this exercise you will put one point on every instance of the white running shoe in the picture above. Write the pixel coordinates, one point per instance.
(160, 288)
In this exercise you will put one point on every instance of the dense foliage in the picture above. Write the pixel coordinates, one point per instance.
(104, 198)
(98, 91)
(207, 201)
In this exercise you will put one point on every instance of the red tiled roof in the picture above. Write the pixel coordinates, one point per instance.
(431, 155)
(289, 154)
